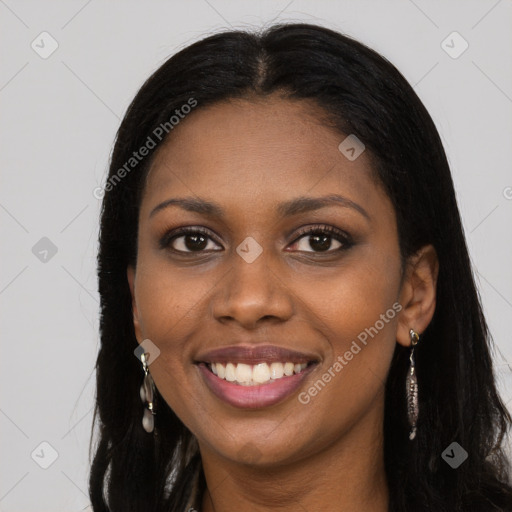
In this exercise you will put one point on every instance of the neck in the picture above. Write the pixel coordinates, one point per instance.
(348, 475)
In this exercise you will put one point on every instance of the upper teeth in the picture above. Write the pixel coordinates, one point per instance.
(248, 375)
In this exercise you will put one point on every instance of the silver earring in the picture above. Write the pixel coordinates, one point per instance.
(411, 387)
(146, 394)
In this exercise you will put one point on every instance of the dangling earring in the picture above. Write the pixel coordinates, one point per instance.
(411, 387)
(146, 394)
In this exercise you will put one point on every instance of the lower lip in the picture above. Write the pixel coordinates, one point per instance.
(253, 397)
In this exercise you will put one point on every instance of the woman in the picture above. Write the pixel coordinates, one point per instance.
(282, 251)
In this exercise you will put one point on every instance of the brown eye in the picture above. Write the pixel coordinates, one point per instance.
(188, 240)
(320, 239)
(318, 242)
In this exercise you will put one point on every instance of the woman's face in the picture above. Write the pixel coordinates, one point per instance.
(252, 280)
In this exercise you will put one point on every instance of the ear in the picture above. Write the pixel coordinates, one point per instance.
(418, 294)
(130, 274)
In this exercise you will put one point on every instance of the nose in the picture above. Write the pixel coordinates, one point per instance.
(252, 293)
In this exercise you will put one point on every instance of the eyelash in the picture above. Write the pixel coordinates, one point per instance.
(337, 234)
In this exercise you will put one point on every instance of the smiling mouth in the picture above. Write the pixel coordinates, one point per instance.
(257, 374)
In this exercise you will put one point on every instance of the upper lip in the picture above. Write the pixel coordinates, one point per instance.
(254, 354)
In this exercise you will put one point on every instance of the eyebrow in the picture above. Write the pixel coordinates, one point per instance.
(286, 209)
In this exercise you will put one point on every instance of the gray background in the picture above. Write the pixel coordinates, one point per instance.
(59, 116)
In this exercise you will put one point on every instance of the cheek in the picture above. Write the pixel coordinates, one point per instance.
(167, 317)
(172, 305)
(352, 298)
(168, 299)
(357, 311)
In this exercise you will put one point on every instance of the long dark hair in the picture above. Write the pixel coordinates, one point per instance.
(364, 94)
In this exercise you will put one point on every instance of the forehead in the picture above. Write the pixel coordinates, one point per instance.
(255, 152)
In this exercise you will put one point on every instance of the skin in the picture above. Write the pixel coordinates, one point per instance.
(247, 156)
